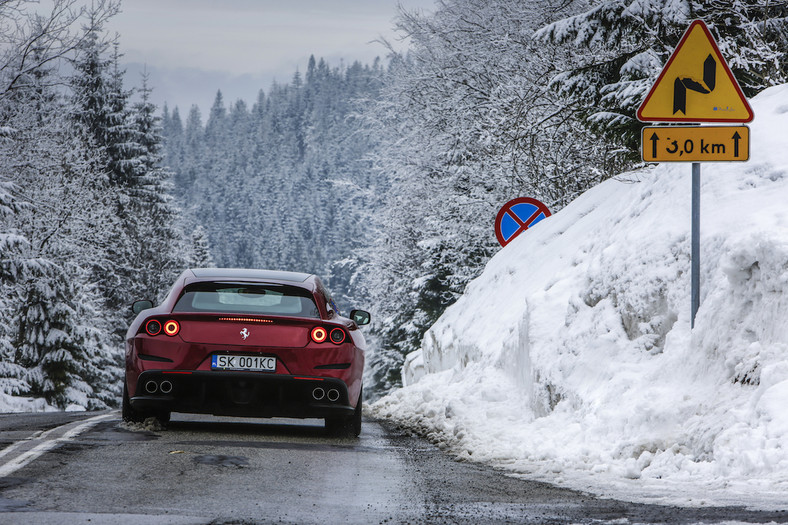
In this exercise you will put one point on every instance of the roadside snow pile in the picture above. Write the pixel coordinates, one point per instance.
(571, 359)
(10, 404)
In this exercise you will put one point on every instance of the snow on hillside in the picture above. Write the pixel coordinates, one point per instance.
(571, 360)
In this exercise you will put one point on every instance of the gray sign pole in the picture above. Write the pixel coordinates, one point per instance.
(695, 240)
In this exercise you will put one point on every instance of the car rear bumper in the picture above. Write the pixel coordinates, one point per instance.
(241, 394)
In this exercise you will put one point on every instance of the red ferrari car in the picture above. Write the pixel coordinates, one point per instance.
(252, 343)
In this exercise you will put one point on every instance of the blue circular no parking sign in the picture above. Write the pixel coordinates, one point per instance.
(516, 216)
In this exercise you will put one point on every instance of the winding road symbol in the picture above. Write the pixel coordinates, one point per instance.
(681, 85)
(516, 216)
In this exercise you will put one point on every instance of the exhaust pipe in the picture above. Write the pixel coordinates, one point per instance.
(165, 387)
(318, 394)
(151, 387)
(333, 394)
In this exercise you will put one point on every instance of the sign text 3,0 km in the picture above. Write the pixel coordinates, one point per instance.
(695, 143)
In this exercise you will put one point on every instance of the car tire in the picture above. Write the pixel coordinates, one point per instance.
(129, 414)
(132, 416)
(163, 417)
(346, 426)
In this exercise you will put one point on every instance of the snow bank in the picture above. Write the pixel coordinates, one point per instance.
(10, 404)
(571, 360)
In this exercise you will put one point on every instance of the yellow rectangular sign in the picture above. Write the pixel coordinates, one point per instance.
(695, 143)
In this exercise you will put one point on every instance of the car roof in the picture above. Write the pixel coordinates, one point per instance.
(243, 274)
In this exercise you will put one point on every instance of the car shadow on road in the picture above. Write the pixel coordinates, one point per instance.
(260, 427)
(271, 434)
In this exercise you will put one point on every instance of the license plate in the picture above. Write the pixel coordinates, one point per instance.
(243, 362)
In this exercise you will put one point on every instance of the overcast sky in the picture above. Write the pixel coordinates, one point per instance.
(192, 48)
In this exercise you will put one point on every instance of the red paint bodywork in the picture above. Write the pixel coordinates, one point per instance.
(299, 360)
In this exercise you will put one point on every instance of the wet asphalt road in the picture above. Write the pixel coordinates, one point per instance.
(217, 470)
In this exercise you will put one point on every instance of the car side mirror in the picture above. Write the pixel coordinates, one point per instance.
(360, 317)
(138, 306)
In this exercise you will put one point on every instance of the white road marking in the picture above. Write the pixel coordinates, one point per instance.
(46, 442)
(10, 448)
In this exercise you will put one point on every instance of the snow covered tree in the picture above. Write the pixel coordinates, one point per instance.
(69, 158)
(144, 248)
(33, 42)
(98, 110)
(161, 247)
(201, 253)
(275, 185)
(467, 121)
(187, 164)
(172, 129)
(90, 90)
(44, 351)
(120, 136)
(48, 345)
(12, 267)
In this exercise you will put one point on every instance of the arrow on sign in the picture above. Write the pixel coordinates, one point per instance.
(654, 139)
(736, 139)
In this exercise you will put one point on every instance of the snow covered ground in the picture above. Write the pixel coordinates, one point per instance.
(23, 404)
(571, 360)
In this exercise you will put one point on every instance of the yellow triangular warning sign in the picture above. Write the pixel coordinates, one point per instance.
(696, 85)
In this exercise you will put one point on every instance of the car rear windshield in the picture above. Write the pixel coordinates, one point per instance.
(242, 298)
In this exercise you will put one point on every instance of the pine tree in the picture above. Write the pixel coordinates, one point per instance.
(122, 139)
(44, 351)
(47, 344)
(172, 129)
(54, 206)
(160, 256)
(193, 143)
(90, 90)
(201, 253)
(12, 267)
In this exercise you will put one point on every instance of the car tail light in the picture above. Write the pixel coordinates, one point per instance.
(171, 327)
(153, 327)
(319, 334)
(337, 336)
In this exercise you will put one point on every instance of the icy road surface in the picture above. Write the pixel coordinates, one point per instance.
(205, 469)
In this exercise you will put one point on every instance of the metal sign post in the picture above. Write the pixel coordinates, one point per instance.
(695, 278)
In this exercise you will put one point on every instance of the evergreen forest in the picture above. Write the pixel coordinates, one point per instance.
(383, 178)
